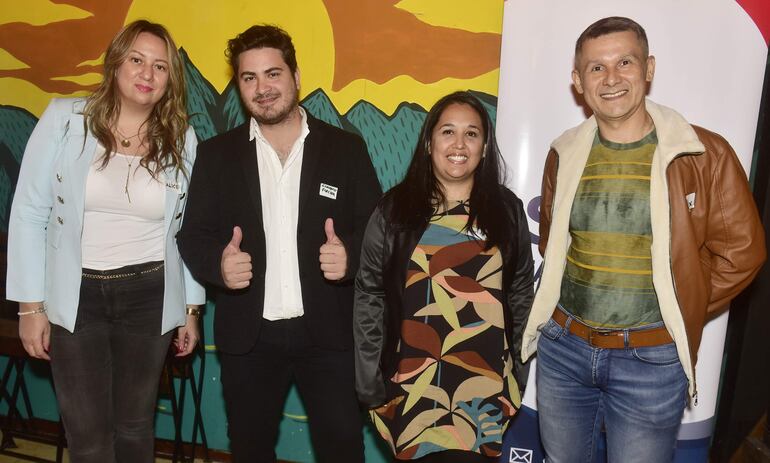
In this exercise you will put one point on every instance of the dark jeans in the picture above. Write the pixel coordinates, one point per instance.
(255, 386)
(106, 372)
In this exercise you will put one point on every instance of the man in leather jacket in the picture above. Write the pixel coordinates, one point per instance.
(648, 230)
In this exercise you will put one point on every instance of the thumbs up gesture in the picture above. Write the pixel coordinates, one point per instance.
(236, 264)
(333, 257)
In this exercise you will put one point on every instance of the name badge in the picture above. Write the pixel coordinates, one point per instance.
(174, 186)
(328, 191)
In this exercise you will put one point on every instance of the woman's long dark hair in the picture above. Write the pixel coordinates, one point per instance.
(416, 198)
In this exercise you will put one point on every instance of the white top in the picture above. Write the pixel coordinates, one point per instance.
(279, 187)
(123, 215)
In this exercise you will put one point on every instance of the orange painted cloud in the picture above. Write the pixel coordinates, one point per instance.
(57, 49)
(377, 41)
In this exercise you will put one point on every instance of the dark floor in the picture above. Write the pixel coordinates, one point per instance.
(47, 452)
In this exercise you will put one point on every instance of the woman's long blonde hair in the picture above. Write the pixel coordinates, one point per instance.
(167, 123)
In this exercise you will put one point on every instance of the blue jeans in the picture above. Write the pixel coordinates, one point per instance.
(637, 394)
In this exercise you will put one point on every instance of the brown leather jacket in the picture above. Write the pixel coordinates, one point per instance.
(708, 242)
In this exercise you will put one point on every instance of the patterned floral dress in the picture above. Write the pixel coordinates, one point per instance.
(454, 388)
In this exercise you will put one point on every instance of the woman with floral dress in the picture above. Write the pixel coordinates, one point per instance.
(442, 294)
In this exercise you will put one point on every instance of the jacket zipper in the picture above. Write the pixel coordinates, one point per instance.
(673, 280)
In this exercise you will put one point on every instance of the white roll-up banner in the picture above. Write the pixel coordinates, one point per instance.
(710, 61)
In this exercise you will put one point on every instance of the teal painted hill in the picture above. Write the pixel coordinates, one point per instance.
(389, 138)
(16, 126)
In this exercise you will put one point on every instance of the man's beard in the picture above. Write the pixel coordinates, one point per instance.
(278, 117)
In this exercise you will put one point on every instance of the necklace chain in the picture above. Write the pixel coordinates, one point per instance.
(128, 175)
(125, 141)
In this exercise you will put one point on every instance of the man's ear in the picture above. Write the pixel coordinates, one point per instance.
(648, 75)
(296, 78)
(576, 81)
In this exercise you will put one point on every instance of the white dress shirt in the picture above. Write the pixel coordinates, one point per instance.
(279, 188)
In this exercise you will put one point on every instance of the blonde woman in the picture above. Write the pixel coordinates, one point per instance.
(92, 256)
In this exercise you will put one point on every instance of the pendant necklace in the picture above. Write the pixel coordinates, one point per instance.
(128, 175)
(125, 141)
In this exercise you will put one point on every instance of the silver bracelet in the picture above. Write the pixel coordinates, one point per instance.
(40, 309)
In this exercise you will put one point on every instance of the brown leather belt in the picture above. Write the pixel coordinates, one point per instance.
(614, 339)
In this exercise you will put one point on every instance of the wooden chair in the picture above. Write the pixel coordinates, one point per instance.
(178, 373)
(15, 424)
(11, 347)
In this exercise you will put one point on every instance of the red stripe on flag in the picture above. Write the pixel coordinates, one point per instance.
(759, 10)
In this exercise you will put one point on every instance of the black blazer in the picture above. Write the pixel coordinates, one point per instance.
(225, 192)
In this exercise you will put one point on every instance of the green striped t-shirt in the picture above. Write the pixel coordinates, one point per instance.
(608, 278)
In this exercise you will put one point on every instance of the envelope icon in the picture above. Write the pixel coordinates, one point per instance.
(520, 455)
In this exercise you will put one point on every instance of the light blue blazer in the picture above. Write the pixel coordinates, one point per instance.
(46, 224)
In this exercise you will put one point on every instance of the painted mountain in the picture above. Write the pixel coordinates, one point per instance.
(390, 139)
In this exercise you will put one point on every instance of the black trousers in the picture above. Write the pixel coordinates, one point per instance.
(255, 386)
(106, 372)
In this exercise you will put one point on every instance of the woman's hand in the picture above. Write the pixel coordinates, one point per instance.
(34, 331)
(187, 336)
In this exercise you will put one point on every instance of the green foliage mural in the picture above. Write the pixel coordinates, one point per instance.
(15, 128)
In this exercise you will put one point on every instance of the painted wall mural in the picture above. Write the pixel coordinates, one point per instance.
(369, 67)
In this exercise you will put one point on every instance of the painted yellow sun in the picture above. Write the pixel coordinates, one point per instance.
(202, 29)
